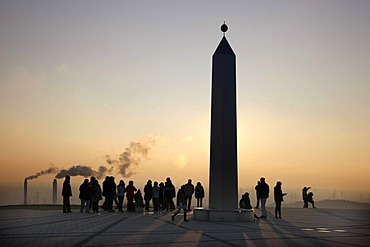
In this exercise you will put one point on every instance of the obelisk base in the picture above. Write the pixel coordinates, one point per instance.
(206, 214)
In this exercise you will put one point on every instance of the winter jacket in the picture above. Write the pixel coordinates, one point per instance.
(199, 192)
(130, 191)
(278, 194)
(85, 192)
(148, 192)
(155, 191)
(96, 192)
(264, 190)
(181, 197)
(66, 190)
(189, 190)
(121, 190)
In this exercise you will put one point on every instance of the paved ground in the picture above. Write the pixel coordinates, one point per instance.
(299, 227)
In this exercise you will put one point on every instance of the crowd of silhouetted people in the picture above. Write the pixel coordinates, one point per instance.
(161, 196)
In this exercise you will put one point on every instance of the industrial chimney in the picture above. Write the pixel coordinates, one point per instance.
(55, 188)
(25, 192)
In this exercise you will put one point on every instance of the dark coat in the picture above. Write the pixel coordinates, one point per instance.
(264, 190)
(130, 191)
(245, 202)
(169, 190)
(105, 187)
(278, 194)
(96, 192)
(258, 190)
(161, 192)
(199, 191)
(85, 192)
(148, 192)
(181, 197)
(109, 188)
(67, 189)
(189, 190)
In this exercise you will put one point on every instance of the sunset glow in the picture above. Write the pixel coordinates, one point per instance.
(83, 80)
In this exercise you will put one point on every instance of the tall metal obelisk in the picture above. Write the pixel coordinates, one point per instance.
(223, 183)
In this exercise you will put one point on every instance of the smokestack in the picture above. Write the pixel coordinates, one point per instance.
(25, 192)
(55, 188)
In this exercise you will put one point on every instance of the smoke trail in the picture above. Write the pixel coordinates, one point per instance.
(84, 171)
(131, 157)
(51, 170)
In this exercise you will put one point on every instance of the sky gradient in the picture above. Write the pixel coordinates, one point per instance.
(80, 80)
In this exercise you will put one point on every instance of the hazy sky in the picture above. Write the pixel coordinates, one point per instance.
(80, 80)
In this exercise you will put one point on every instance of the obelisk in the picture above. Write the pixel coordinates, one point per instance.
(223, 182)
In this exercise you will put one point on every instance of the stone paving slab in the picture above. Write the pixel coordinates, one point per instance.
(299, 227)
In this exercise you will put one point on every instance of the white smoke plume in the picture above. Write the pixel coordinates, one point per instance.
(125, 163)
(131, 157)
(51, 170)
(84, 171)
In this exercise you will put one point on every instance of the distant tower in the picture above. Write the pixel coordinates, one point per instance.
(55, 190)
(25, 192)
(223, 184)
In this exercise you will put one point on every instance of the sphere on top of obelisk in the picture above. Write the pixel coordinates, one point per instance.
(224, 28)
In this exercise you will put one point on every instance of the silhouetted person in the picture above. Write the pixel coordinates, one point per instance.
(181, 202)
(167, 198)
(95, 194)
(90, 186)
(104, 193)
(155, 196)
(148, 194)
(169, 194)
(245, 203)
(258, 194)
(278, 196)
(139, 202)
(161, 196)
(189, 191)
(120, 194)
(304, 196)
(109, 190)
(264, 194)
(66, 193)
(199, 194)
(114, 187)
(130, 194)
(85, 196)
(310, 199)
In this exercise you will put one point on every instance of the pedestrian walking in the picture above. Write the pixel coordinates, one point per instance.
(181, 203)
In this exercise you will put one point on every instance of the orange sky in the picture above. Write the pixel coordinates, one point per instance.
(75, 88)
